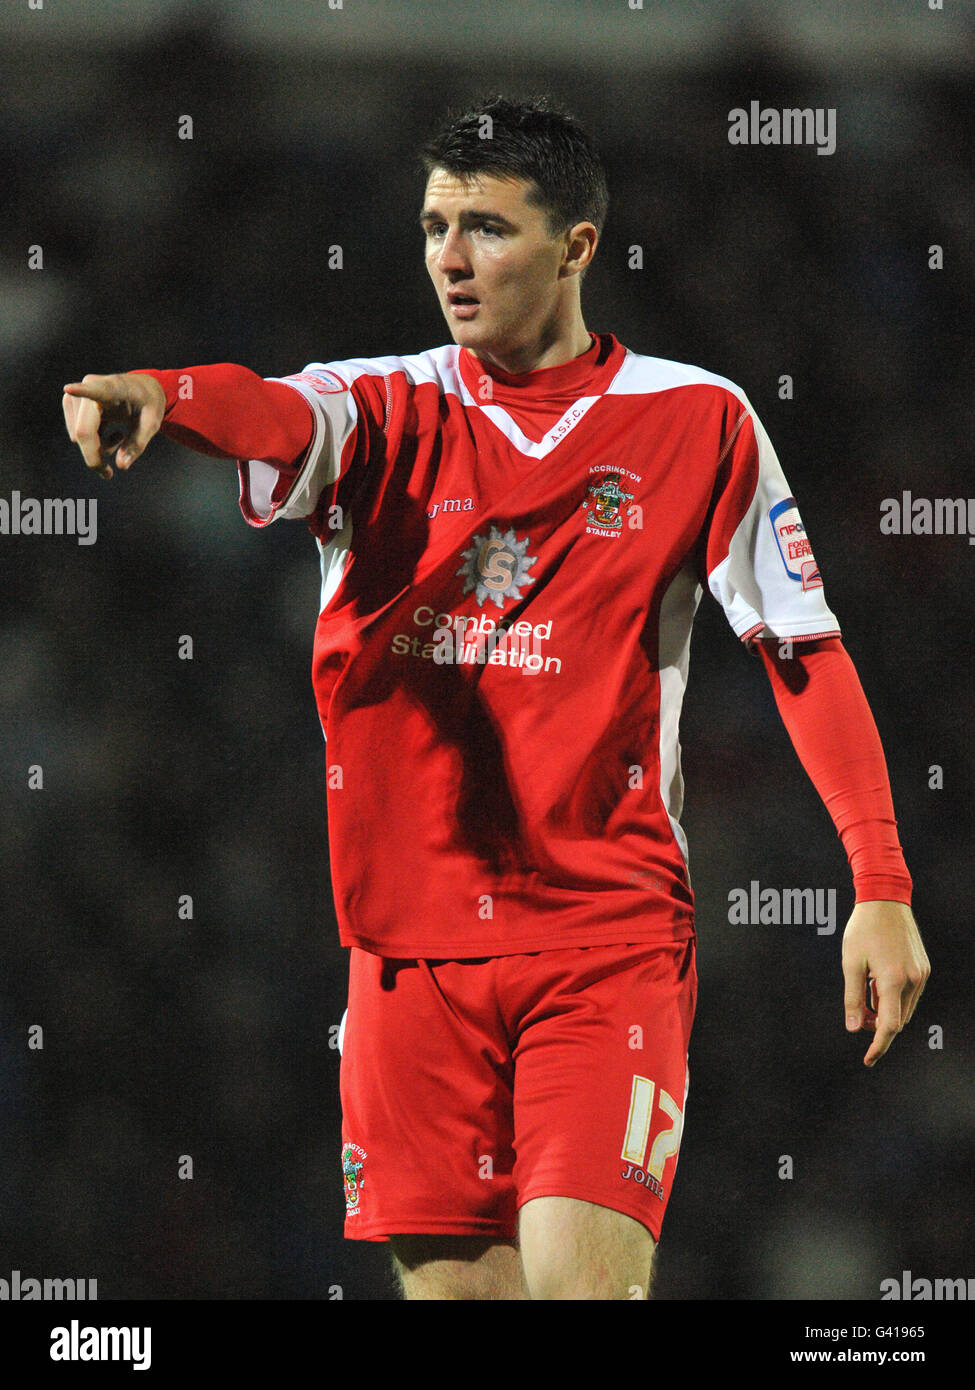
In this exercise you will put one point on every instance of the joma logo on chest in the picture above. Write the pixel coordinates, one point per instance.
(451, 504)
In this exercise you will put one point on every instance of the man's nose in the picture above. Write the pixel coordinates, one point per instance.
(453, 253)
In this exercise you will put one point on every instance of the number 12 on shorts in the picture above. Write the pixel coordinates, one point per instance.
(637, 1137)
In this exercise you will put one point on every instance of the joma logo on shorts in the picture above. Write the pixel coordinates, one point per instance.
(645, 1179)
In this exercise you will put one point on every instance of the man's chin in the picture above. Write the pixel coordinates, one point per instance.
(464, 330)
(473, 333)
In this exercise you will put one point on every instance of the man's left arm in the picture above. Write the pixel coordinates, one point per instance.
(828, 719)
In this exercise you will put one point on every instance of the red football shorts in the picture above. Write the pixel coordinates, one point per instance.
(471, 1086)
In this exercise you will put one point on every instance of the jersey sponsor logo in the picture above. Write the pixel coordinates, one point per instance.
(462, 639)
(495, 567)
(325, 383)
(604, 500)
(790, 537)
(353, 1159)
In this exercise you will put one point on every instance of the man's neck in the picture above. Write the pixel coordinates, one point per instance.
(555, 353)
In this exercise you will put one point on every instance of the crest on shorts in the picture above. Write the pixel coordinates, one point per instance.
(352, 1160)
(496, 566)
(604, 500)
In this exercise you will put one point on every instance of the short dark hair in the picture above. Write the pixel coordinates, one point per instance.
(531, 140)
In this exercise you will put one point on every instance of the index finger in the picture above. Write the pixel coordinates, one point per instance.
(104, 389)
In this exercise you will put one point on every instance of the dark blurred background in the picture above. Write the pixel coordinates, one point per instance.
(209, 1037)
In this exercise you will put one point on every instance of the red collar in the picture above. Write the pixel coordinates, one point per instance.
(586, 375)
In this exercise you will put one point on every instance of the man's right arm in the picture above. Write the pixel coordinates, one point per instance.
(222, 409)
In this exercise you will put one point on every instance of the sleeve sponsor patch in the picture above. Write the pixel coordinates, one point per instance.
(325, 383)
(790, 537)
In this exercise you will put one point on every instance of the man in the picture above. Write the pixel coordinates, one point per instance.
(515, 531)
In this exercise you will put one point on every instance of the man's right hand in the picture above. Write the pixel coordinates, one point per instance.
(107, 413)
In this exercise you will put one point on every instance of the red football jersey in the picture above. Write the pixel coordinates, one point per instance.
(511, 566)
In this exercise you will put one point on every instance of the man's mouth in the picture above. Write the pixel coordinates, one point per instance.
(462, 306)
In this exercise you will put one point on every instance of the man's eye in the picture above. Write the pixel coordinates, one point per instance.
(436, 229)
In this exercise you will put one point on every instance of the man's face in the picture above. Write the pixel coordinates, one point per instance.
(485, 243)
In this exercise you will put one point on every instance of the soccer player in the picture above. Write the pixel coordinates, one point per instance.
(515, 530)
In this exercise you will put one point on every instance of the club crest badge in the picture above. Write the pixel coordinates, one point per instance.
(496, 567)
(352, 1160)
(605, 500)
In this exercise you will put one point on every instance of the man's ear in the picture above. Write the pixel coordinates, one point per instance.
(580, 247)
